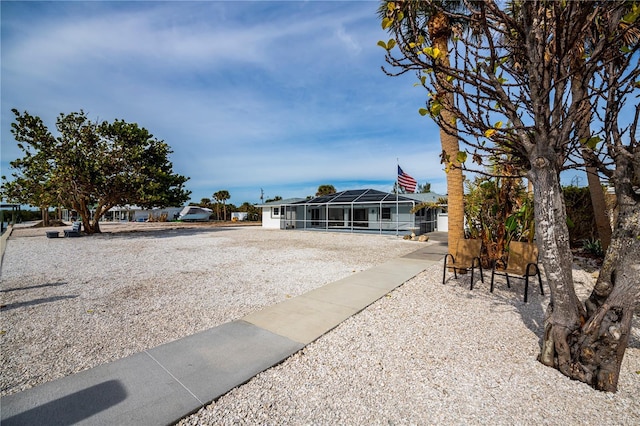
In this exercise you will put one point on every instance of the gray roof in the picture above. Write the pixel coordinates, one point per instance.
(428, 197)
(281, 202)
(357, 196)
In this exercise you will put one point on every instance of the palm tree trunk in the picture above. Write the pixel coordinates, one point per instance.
(578, 91)
(451, 147)
(599, 207)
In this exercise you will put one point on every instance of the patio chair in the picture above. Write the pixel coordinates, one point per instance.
(74, 231)
(466, 256)
(522, 263)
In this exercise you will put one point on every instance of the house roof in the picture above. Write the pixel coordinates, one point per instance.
(427, 197)
(281, 202)
(356, 196)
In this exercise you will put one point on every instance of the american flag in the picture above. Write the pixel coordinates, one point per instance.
(406, 181)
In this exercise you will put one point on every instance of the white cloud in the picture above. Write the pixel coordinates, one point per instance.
(283, 94)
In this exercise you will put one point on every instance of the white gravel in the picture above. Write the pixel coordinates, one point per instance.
(425, 354)
(69, 304)
(431, 354)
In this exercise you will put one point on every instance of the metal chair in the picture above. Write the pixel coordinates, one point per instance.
(522, 263)
(466, 256)
(74, 231)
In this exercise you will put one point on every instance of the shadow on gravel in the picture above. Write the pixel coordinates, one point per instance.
(34, 302)
(7, 290)
(162, 233)
(504, 298)
(532, 312)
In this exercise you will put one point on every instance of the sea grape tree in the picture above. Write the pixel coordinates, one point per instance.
(92, 166)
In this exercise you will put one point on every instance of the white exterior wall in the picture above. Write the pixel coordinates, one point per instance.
(443, 222)
(268, 220)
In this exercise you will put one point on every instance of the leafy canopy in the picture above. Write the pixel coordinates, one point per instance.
(91, 166)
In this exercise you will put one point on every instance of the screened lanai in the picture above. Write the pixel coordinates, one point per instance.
(361, 210)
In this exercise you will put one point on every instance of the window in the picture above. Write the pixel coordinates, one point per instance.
(336, 217)
(315, 217)
(386, 213)
(275, 211)
(360, 217)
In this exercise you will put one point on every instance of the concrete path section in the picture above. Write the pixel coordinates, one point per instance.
(166, 383)
(305, 318)
(158, 386)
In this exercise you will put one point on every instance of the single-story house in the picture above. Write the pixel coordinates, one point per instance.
(361, 210)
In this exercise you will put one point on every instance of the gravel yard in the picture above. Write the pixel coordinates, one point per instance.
(69, 304)
(425, 354)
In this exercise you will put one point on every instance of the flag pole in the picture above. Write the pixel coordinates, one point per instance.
(397, 191)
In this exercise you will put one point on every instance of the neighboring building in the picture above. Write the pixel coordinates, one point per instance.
(362, 210)
(131, 214)
(271, 217)
(237, 216)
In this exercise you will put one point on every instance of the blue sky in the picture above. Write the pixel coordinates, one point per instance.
(279, 96)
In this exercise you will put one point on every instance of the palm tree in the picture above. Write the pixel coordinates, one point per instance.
(579, 89)
(222, 196)
(440, 33)
(205, 202)
(217, 196)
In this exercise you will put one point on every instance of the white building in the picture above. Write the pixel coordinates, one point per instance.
(362, 210)
(131, 214)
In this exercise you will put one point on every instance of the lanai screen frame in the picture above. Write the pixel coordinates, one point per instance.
(353, 199)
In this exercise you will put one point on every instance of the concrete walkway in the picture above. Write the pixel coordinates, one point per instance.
(164, 384)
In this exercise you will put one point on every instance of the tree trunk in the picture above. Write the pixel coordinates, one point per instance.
(565, 314)
(44, 211)
(599, 207)
(616, 296)
(89, 226)
(587, 345)
(579, 90)
(440, 30)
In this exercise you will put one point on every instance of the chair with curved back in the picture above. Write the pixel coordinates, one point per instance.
(522, 263)
(466, 256)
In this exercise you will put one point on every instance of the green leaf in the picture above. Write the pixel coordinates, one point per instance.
(632, 16)
(591, 142)
(511, 224)
(423, 111)
(383, 45)
(386, 23)
(391, 44)
(461, 157)
(489, 132)
(570, 223)
(434, 52)
(435, 108)
(498, 125)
